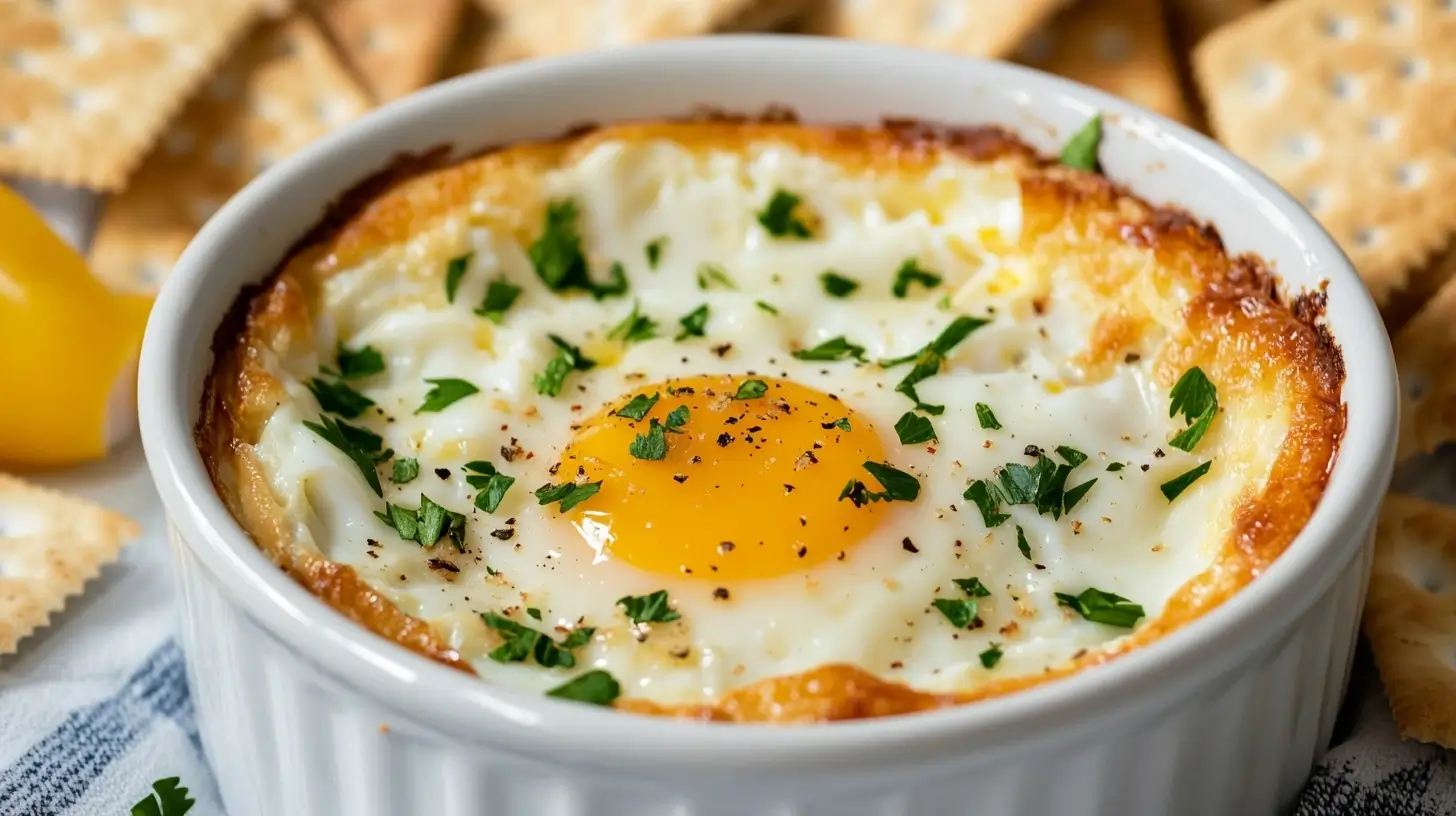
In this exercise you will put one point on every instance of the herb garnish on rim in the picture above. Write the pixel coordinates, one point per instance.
(1081, 150)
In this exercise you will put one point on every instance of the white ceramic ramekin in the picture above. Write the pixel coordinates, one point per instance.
(303, 712)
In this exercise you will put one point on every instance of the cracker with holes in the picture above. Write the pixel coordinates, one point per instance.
(539, 28)
(986, 28)
(1410, 616)
(51, 544)
(1424, 351)
(1120, 46)
(395, 46)
(86, 86)
(282, 89)
(1347, 104)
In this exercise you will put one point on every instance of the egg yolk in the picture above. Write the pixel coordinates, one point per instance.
(749, 488)
(66, 343)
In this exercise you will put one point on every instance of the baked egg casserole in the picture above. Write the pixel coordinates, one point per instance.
(765, 421)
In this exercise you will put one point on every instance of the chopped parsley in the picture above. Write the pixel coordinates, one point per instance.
(988, 500)
(927, 361)
(961, 612)
(914, 429)
(1115, 467)
(842, 424)
(832, 350)
(693, 323)
(358, 444)
(568, 359)
(712, 275)
(1103, 607)
(1073, 456)
(570, 494)
(596, 687)
(1081, 150)
(651, 608)
(168, 798)
(638, 407)
(362, 363)
(500, 296)
(338, 398)
(490, 483)
(1075, 494)
(454, 272)
(986, 417)
(446, 392)
(519, 642)
(837, 285)
(427, 524)
(1021, 543)
(405, 471)
(652, 445)
(653, 251)
(767, 307)
(991, 656)
(676, 418)
(1175, 487)
(1195, 398)
(897, 486)
(750, 389)
(533, 612)
(1042, 485)
(778, 219)
(972, 587)
(557, 258)
(910, 272)
(634, 328)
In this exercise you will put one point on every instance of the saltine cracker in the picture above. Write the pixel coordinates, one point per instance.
(395, 46)
(985, 28)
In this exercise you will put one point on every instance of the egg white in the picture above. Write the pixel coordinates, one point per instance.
(873, 608)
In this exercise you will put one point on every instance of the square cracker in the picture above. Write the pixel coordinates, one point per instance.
(395, 46)
(282, 89)
(1424, 350)
(1120, 46)
(1347, 104)
(984, 28)
(51, 544)
(539, 28)
(1410, 616)
(86, 85)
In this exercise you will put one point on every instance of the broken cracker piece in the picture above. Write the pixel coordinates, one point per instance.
(395, 46)
(1410, 615)
(1120, 46)
(1424, 349)
(1196, 19)
(478, 44)
(983, 28)
(539, 28)
(51, 544)
(282, 89)
(1346, 103)
(85, 87)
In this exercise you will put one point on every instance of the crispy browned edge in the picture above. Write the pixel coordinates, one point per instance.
(1242, 299)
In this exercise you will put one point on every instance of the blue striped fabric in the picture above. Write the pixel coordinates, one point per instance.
(59, 768)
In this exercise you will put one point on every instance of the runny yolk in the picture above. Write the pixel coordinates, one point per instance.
(749, 489)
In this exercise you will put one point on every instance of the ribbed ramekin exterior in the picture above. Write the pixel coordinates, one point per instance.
(285, 737)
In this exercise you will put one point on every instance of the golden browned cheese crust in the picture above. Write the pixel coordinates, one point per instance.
(1243, 331)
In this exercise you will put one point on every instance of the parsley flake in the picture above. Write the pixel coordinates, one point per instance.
(842, 424)
(1115, 467)
(750, 389)
(596, 687)
(1072, 456)
(914, 429)
(454, 272)
(693, 323)
(491, 484)
(1196, 399)
(910, 272)
(1080, 151)
(519, 642)
(634, 328)
(961, 612)
(1040, 485)
(557, 258)
(1075, 494)
(991, 656)
(837, 285)
(972, 587)
(653, 251)
(168, 798)
(652, 445)
(767, 307)
(568, 359)
(1175, 487)
(364, 362)
(777, 216)
(570, 494)
(405, 471)
(988, 500)
(357, 443)
(832, 350)
(1021, 543)
(986, 417)
(1103, 607)
(427, 524)
(898, 486)
(446, 392)
(928, 361)
(500, 296)
(338, 398)
(711, 275)
(650, 608)
(638, 407)
(676, 418)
